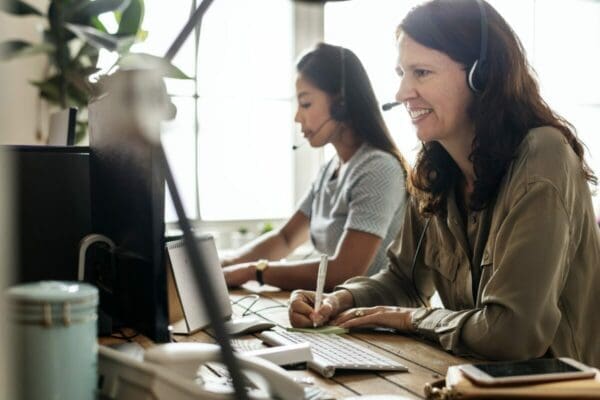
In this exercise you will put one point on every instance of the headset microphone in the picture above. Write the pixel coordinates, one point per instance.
(389, 106)
(297, 146)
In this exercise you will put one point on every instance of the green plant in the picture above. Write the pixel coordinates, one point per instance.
(266, 227)
(72, 41)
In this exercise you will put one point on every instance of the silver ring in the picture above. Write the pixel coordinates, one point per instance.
(359, 313)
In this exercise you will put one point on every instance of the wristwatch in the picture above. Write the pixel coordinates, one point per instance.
(261, 266)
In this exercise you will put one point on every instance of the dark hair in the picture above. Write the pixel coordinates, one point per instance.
(323, 68)
(508, 106)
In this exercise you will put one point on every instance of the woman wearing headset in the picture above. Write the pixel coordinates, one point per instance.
(354, 208)
(501, 223)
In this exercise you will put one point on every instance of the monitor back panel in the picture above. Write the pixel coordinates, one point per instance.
(52, 204)
(128, 206)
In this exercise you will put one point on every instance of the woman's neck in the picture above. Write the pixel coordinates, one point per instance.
(459, 148)
(346, 144)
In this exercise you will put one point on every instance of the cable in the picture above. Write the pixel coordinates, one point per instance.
(269, 307)
(248, 296)
(414, 262)
(122, 336)
(247, 309)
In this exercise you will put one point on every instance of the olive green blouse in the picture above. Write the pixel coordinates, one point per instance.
(535, 253)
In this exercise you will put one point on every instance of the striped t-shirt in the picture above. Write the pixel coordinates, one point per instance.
(368, 195)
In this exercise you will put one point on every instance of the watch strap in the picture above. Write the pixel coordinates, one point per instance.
(260, 267)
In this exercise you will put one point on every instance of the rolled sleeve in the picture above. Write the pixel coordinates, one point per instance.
(442, 326)
(394, 285)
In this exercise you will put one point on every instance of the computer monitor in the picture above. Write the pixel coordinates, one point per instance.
(51, 210)
(128, 195)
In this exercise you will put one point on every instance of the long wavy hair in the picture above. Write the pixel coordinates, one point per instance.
(508, 106)
(323, 68)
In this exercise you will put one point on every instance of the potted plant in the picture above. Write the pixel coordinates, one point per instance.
(72, 40)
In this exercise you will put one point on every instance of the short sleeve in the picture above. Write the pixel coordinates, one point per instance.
(305, 205)
(376, 193)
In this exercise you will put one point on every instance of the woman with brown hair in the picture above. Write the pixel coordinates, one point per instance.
(354, 208)
(501, 223)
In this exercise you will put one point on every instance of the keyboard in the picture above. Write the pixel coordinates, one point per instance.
(332, 352)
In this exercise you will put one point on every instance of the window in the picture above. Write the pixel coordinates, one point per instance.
(230, 144)
(245, 110)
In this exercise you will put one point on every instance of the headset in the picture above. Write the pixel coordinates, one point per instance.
(338, 110)
(475, 77)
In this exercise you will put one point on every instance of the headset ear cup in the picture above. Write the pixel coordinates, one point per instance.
(338, 111)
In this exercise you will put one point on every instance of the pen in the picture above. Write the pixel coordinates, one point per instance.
(320, 283)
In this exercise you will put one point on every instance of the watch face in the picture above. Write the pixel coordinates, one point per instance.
(261, 265)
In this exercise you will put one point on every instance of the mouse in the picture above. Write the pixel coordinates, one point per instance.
(246, 325)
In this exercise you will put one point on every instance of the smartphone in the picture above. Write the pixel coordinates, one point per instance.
(529, 371)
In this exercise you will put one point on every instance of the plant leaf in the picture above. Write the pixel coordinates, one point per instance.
(86, 50)
(142, 35)
(84, 11)
(17, 7)
(96, 23)
(130, 20)
(49, 89)
(93, 36)
(18, 48)
(125, 43)
(148, 61)
(79, 80)
(80, 130)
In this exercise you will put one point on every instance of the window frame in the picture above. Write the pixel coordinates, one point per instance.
(308, 30)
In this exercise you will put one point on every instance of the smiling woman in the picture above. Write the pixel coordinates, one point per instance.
(433, 92)
(550, 51)
(501, 223)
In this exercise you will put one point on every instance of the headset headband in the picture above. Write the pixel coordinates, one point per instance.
(484, 32)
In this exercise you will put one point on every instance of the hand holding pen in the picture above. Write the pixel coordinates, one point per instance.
(321, 275)
(313, 309)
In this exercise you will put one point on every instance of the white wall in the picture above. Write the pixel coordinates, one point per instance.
(19, 105)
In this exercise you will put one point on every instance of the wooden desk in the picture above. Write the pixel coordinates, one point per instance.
(425, 361)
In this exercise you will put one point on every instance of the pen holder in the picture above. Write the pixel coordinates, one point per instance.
(54, 328)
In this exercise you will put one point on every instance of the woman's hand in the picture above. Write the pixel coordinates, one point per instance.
(237, 275)
(303, 315)
(398, 318)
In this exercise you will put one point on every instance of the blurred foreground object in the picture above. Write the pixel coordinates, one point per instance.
(55, 337)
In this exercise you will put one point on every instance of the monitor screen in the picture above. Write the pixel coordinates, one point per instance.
(127, 192)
